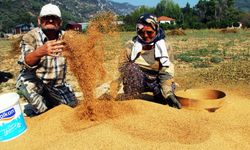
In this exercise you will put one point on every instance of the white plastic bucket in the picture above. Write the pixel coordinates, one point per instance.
(12, 123)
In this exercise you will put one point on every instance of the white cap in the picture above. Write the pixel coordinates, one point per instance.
(50, 10)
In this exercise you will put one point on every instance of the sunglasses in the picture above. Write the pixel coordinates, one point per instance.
(149, 33)
(55, 18)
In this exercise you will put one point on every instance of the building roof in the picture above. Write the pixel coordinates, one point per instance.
(23, 24)
(165, 18)
(74, 24)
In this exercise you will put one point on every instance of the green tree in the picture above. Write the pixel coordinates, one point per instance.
(132, 18)
(217, 13)
(189, 19)
(245, 19)
(168, 8)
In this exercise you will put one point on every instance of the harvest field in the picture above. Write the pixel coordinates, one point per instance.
(203, 59)
(212, 57)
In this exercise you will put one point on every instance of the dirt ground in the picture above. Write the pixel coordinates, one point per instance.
(139, 124)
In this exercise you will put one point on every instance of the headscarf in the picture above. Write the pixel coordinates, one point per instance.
(158, 41)
(151, 20)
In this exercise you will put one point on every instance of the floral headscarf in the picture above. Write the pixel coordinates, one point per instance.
(149, 19)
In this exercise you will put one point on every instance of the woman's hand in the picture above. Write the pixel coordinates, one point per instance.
(172, 101)
(168, 88)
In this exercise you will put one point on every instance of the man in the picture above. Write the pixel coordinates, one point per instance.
(42, 77)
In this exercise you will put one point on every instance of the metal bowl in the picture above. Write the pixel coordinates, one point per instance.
(207, 99)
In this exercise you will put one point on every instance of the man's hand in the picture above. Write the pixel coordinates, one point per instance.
(50, 48)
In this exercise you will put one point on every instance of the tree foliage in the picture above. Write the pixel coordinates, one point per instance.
(217, 13)
(132, 18)
(205, 14)
(168, 8)
(245, 19)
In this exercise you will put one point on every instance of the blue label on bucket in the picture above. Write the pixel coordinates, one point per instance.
(7, 115)
(12, 124)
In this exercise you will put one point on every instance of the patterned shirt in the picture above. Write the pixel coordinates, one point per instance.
(51, 70)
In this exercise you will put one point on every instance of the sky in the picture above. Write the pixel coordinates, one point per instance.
(152, 3)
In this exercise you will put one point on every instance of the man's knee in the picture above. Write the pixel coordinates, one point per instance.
(22, 89)
(31, 92)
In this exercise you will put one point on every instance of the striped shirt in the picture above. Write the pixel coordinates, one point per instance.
(51, 70)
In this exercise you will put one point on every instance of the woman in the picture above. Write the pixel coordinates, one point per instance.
(146, 65)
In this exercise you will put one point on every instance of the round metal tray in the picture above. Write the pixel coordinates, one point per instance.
(207, 99)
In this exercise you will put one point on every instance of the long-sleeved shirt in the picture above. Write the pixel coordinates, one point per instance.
(51, 70)
(148, 63)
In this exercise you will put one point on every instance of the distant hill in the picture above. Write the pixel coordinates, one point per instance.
(84, 9)
(243, 5)
(13, 12)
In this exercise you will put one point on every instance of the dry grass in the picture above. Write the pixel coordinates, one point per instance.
(235, 72)
(176, 32)
(228, 30)
(15, 44)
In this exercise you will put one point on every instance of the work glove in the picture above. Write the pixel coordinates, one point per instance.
(172, 101)
(168, 93)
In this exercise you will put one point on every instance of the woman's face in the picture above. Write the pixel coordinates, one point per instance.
(147, 33)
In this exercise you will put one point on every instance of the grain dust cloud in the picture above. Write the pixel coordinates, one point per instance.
(86, 54)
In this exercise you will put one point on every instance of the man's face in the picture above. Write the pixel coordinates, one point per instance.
(147, 33)
(49, 22)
